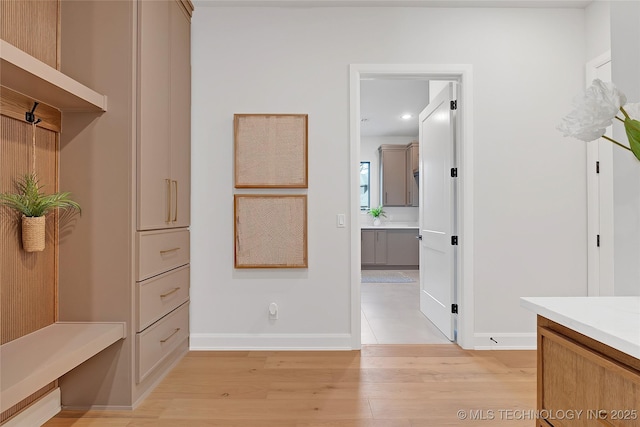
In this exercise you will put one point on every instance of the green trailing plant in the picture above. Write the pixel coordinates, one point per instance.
(30, 201)
(377, 212)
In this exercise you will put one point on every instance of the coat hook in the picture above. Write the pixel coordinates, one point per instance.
(30, 116)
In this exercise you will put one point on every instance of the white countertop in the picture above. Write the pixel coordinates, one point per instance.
(614, 321)
(394, 225)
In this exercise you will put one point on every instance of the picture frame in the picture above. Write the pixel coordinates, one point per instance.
(271, 150)
(270, 231)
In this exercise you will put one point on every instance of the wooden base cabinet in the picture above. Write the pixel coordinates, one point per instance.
(582, 382)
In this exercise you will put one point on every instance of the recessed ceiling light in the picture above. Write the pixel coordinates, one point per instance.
(406, 116)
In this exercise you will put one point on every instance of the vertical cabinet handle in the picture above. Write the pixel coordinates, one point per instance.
(168, 181)
(175, 202)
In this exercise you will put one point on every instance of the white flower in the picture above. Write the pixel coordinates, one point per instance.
(594, 111)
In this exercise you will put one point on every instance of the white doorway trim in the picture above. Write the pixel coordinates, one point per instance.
(599, 199)
(463, 74)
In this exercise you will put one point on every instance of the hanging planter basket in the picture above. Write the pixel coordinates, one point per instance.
(33, 233)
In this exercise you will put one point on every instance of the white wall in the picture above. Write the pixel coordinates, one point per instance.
(529, 186)
(598, 28)
(369, 153)
(625, 70)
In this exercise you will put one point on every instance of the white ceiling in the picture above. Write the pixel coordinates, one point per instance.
(384, 101)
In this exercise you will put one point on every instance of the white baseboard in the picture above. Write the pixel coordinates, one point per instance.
(39, 412)
(263, 342)
(505, 341)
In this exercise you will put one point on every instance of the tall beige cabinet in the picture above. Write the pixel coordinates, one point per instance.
(127, 258)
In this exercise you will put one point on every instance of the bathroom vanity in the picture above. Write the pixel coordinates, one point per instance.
(390, 246)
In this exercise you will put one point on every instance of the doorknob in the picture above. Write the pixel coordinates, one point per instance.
(419, 237)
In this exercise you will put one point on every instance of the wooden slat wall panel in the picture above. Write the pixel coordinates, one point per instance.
(28, 281)
(32, 26)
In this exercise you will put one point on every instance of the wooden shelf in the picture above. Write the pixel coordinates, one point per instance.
(33, 78)
(33, 361)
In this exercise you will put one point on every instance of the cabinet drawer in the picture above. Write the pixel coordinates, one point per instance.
(160, 251)
(160, 295)
(160, 339)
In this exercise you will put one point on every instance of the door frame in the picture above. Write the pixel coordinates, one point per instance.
(600, 271)
(463, 74)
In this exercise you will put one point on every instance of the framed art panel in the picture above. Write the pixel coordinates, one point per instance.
(270, 150)
(270, 231)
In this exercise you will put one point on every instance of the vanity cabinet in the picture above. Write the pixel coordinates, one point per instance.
(577, 373)
(403, 248)
(389, 247)
(374, 247)
(164, 67)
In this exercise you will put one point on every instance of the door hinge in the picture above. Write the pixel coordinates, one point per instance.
(454, 104)
(454, 240)
(598, 240)
(454, 172)
(454, 308)
(597, 167)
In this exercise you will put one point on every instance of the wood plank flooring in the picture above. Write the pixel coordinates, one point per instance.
(381, 386)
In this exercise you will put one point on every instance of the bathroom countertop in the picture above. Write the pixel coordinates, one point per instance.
(614, 321)
(391, 225)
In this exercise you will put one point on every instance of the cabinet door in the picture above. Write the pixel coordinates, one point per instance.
(402, 247)
(368, 248)
(154, 79)
(180, 109)
(393, 176)
(412, 182)
(381, 247)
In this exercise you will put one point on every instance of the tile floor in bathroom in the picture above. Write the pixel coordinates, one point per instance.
(391, 313)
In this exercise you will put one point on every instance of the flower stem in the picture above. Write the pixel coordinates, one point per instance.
(626, 116)
(616, 142)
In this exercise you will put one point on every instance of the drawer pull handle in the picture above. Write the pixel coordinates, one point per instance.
(166, 251)
(175, 202)
(172, 291)
(169, 337)
(168, 181)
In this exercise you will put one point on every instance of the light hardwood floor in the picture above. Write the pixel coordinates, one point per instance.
(381, 386)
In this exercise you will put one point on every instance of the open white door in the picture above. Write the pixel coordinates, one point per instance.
(438, 210)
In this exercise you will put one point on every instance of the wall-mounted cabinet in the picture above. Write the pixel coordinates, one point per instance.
(398, 187)
(413, 160)
(393, 175)
(164, 126)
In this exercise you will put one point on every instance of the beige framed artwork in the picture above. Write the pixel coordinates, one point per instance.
(270, 150)
(270, 231)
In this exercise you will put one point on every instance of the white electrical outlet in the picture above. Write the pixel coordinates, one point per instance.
(273, 311)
